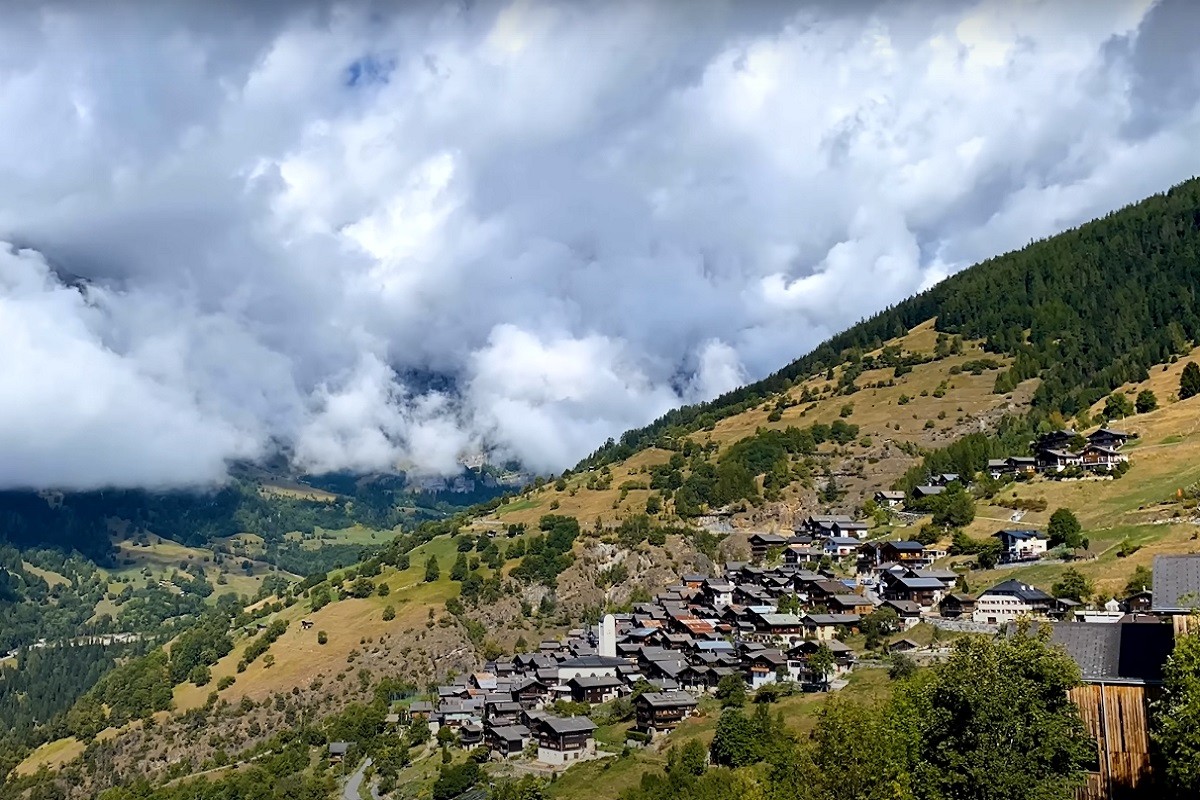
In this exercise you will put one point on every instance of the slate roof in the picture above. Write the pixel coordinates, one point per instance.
(904, 546)
(1022, 591)
(1121, 652)
(781, 620)
(668, 699)
(510, 732)
(583, 662)
(595, 682)
(833, 619)
(1176, 583)
(920, 583)
(569, 724)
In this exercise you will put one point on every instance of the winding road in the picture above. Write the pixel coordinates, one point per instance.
(351, 791)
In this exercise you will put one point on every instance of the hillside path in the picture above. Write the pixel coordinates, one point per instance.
(354, 783)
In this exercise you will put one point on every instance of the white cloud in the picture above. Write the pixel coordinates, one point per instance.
(574, 216)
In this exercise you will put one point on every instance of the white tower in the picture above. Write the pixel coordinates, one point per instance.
(608, 636)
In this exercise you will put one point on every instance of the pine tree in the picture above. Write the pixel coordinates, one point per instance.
(1189, 382)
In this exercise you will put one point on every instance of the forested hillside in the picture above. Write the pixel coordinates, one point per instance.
(1086, 310)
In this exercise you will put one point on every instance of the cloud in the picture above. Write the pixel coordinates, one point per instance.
(381, 236)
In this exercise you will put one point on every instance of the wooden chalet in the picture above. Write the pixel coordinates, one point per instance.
(1121, 664)
(762, 543)
(658, 712)
(957, 604)
(562, 740)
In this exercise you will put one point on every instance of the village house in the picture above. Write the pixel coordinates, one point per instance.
(565, 740)
(908, 612)
(929, 490)
(957, 604)
(589, 666)
(820, 525)
(796, 554)
(762, 543)
(1013, 465)
(1109, 438)
(849, 604)
(659, 712)
(852, 529)
(763, 667)
(1020, 545)
(825, 627)
(798, 660)
(778, 628)
(718, 592)
(1121, 665)
(1009, 601)
(840, 546)
(594, 689)
(507, 740)
(1176, 592)
(889, 499)
(925, 592)
(1054, 460)
(1096, 456)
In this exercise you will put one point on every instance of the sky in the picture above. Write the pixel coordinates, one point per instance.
(380, 236)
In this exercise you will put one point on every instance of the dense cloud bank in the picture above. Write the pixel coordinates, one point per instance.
(234, 227)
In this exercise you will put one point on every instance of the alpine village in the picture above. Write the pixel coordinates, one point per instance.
(954, 552)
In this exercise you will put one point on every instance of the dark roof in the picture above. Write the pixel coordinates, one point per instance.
(1022, 591)
(510, 732)
(920, 583)
(1116, 652)
(905, 545)
(595, 682)
(668, 699)
(1019, 534)
(833, 619)
(1176, 583)
(569, 724)
(592, 661)
(338, 748)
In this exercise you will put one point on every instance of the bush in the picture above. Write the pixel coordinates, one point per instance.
(322, 637)
(389, 613)
(903, 666)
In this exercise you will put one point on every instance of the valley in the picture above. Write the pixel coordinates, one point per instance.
(190, 645)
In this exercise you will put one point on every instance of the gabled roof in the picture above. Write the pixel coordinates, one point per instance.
(918, 584)
(1107, 432)
(832, 619)
(1022, 591)
(585, 662)
(850, 600)
(594, 681)
(668, 699)
(1020, 535)
(780, 620)
(929, 490)
(510, 733)
(569, 724)
(1176, 584)
(1121, 652)
(904, 545)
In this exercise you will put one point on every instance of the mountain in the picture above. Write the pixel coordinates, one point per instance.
(1085, 311)
(248, 638)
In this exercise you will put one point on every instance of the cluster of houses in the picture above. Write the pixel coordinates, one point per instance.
(1054, 452)
(764, 625)
(761, 624)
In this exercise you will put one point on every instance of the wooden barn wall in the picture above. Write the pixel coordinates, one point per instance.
(1117, 717)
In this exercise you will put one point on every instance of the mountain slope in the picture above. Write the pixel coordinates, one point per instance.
(1087, 310)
